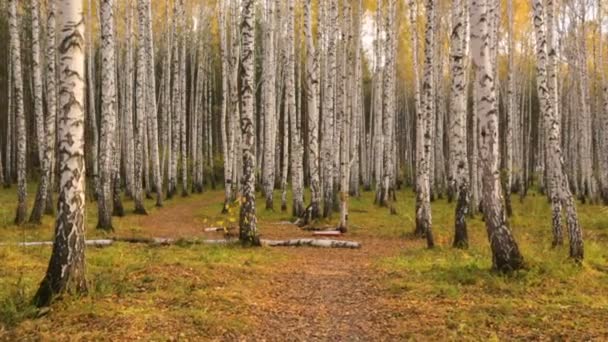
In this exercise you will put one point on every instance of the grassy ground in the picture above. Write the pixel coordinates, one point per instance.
(393, 288)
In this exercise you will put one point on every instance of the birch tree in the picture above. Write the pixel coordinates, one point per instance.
(182, 100)
(505, 252)
(37, 79)
(128, 136)
(140, 110)
(357, 103)
(388, 104)
(175, 103)
(44, 194)
(21, 132)
(508, 139)
(604, 142)
(108, 115)
(312, 100)
(151, 109)
(270, 129)
(297, 155)
(588, 182)
(327, 143)
(66, 270)
(559, 188)
(248, 232)
(424, 132)
(377, 107)
(92, 107)
(458, 121)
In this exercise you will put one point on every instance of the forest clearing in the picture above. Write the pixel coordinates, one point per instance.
(309, 170)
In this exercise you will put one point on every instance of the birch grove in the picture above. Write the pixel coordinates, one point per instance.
(325, 106)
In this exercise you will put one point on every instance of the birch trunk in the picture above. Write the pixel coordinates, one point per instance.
(344, 129)
(15, 46)
(296, 160)
(508, 139)
(182, 100)
(588, 182)
(377, 105)
(424, 125)
(269, 70)
(44, 194)
(505, 252)
(10, 122)
(151, 109)
(388, 105)
(108, 115)
(458, 121)
(357, 105)
(604, 142)
(66, 270)
(312, 84)
(248, 231)
(225, 120)
(327, 143)
(175, 95)
(37, 79)
(559, 189)
(92, 107)
(140, 104)
(128, 105)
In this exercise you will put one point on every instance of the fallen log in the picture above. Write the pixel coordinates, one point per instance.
(218, 229)
(327, 233)
(322, 243)
(312, 243)
(91, 243)
(169, 241)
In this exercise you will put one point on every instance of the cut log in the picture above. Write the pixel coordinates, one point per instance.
(311, 243)
(327, 233)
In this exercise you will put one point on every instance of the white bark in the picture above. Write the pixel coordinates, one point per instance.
(108, 115)
(140, 104)
(312, 86)
(128, 105)
(424, 125)
(21, 132)
(270, 129)
(505, 252)
(458, 120)
(296, 160)
(66, 271)
(388, 104)
(327, 143)
(559, 189)
(92, 107)
(377, 107)
(248, 232)
(151, 109)
(45, 189)
(37, 79)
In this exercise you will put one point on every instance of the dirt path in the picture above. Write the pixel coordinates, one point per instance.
(325, 294)
(317, 294)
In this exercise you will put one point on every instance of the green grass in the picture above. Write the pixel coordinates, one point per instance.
(211, 291)
(552, 298)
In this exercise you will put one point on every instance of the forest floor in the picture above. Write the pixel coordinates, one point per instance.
(393, 288)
